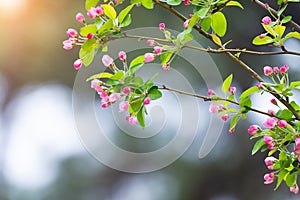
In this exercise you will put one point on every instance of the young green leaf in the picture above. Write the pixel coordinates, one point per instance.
(216, 39)
(91, 28)
(141, 117)
(281, 176)
(261, 41)
(101, 75)
(291, 179)
(174, 2)
(109, 11)
(90, 3)
(235, 3)
(219, 23)
(259, 143)
(248, 92)
(226, 84)
(124, 13)
(154, 93)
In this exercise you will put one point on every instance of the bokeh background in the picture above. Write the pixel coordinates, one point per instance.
(41, 156)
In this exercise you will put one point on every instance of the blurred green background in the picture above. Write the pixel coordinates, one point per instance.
(41, 154)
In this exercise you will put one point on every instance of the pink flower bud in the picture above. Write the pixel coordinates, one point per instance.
(272, 112)
(282, 123)
(96, 85)
(77, 64)
(186, 2)
(225, 117)
(294, 189)
(150, 43)
(68, 44)
(162, 26)
(231, 131)
(232, 90)
(149, 57)
(261, 36)
(116, 1)
(107, 60)
(210, 92)
(114, 97)
(259, 85)
(99, 10)
(92, 13)
(132, 120)
(123, 106)
(268, 70)
(284, 69)
(127, 117)
(90, 36)
(166, 67)
(253, 129)
(190, 16)
(270, 122)
(158, 50)
(147, 100)
(271, 147)
(297, 143)
(104, 105)
(273, 101)
(215, 108)
(80, 18)
(72, 33)
(266, 5)
(276, 70)
(103, 95)
(270, 161)
(269, 178)
(126, 90)
(266, 20)
(186, 24)
(268, 139)
(122, 56)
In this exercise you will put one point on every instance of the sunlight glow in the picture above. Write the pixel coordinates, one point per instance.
(9, 4)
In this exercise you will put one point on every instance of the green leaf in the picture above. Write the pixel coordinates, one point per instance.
(101, 75)
(109, 11)
(259, 143)
(282, 156)
(118, 75)
(154, 93)
(174, 2)
(279, 30)
(292, 35)
(216, 39)
(126, 21)
(105, 27)
(219, 23)
(234, 3)
(269, 29)
(282, 10)
(261, 41)
(124, 13)
(291, 179)
(245, 105)
(136, 81)
(165, 57)
(87, 51)
(234, 121)
(295, 84)
(295, 106)
(194, 20)
(226, 84)
(147, 4)
(141, 117)
(248, 92)
(90, 3)
(285, 114)
(202, 13)
(281, 176)
(206, 23)
(91, 28)
(135, 105)
(286, 19)
(87, 58)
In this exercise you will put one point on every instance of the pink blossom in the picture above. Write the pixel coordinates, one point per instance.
(272, 112)
(273, 101)
(266, 20)
(210, 92)
(103, 94)
(96, 85)
(282, 123)
(80, 18)
(268, 70)
(231, 131)
(123, 106)
(105, 105)
(232, 90)
(122, 56)
(259, 85)
(116, 1)
(283, 69)
(68, 44)
(186, 24)
(162, 26)
(166, 67)
(297, 152)
(107, 60)
(92, 13)
(147, 100)
(268, 139)
(215, 108)
(225, 117)
(126, 90)
(77, 64)
(276, 70)
(266, 5)
(114, 97)
(99, 10)
(271, 147)
(149, 57)
(190, 16)
(269, 178)
(270, 122)
(90, 36)
(294, 189)
(72, 33)
(127, 117)
(270, 161)
(150, 43)
(253, 129)
(132, 120)
(158, 50)
(186, 2)
(297, 142)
